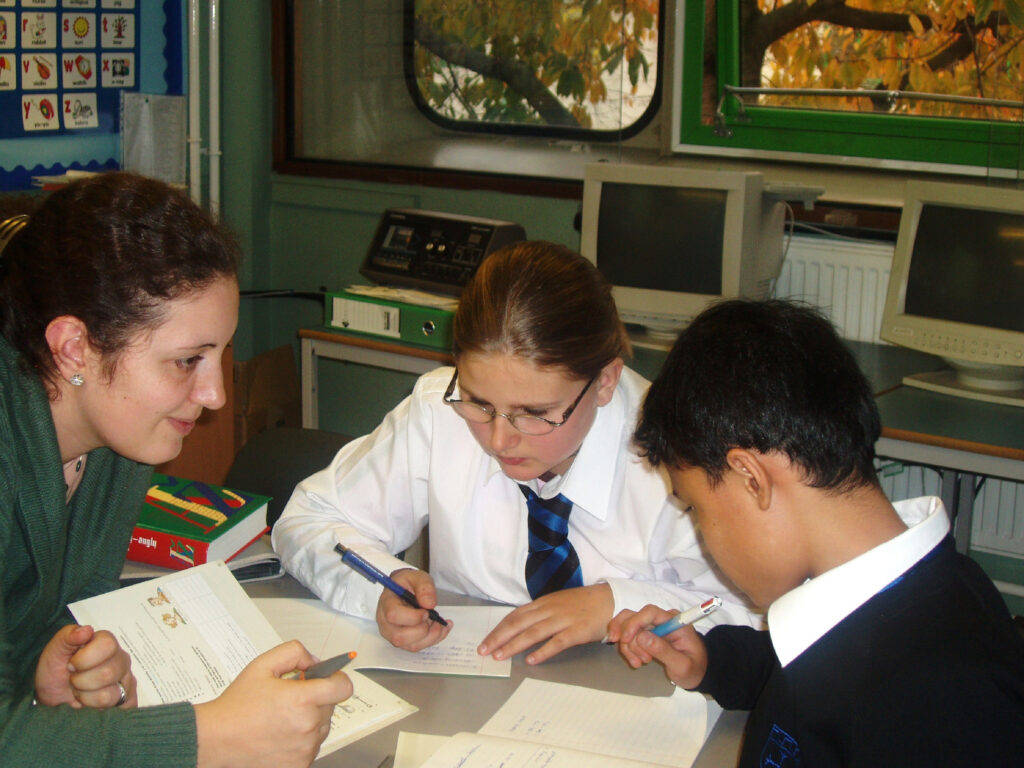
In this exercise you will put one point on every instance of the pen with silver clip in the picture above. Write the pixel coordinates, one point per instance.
(688, 616)
(354, 561)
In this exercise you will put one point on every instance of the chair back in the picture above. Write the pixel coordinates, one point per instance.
(274, 461)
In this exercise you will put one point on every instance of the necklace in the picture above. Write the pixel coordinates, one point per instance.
(73, 473)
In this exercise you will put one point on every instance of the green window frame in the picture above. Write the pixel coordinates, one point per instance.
(896, 141)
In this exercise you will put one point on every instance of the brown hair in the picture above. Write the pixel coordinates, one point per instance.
(544, 303)
(110, 250)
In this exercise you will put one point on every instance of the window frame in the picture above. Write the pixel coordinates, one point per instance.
(532, 129)
(969, 147)
(565, 157)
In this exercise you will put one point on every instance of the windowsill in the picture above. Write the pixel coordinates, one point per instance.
(527, 165)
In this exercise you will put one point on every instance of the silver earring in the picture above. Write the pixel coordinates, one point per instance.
(76, 380)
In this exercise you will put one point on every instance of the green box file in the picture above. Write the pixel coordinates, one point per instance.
(409, 323)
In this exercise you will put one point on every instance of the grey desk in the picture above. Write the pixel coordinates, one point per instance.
(962, 439)
(449, 704)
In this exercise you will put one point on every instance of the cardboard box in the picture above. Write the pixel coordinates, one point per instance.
(267, 393)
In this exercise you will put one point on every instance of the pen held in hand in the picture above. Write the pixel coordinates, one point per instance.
(324, 668)
(328, 667)
(354, 561)
(688, 616)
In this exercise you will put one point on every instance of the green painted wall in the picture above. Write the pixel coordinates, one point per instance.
(304, 233)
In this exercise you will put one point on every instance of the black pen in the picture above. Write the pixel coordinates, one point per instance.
(354, 561)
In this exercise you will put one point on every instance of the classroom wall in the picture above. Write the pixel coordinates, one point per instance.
(303, 233)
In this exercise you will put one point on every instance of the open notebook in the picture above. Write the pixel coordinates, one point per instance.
(566, 726)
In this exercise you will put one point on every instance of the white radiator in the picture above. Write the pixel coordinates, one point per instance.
(848, 281)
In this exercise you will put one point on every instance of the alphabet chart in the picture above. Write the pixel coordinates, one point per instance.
(63, 63)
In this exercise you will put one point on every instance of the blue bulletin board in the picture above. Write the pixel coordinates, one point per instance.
(63, 67)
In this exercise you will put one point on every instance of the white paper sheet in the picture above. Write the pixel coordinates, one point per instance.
(473, 750)
(327, 633)
(190, 633)
(664, 730)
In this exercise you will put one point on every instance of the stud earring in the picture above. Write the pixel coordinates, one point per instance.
(76, 380)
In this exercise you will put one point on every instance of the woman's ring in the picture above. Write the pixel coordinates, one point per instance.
(123, 697)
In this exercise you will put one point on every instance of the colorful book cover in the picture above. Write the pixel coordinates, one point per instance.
(185, 522)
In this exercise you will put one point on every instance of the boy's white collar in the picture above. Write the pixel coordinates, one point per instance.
(803, 615)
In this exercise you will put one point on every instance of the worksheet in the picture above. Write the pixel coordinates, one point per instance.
(190, 633)
(327, 633)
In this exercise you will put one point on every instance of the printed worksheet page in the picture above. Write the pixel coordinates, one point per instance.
(190, 633)
(327, 633)
(185, 642)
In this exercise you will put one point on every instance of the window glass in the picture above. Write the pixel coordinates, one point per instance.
(540, 66)
(924, 81)
(937, 50)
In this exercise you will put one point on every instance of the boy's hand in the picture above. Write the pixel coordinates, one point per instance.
(401, 624)
(565, 618)
(682, 653)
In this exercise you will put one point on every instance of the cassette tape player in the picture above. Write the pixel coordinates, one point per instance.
(433, 251)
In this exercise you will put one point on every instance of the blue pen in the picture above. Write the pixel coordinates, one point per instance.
(351, 559)
(688, 616)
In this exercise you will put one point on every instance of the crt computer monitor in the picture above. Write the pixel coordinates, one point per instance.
(671, 239)
(956, 288)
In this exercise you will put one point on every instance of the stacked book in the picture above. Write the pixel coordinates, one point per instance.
(185, 523)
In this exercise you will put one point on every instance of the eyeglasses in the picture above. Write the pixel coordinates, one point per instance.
(526, 423)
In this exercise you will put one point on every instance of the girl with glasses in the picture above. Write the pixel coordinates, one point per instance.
(521, 461)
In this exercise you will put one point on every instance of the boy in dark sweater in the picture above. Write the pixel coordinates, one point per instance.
(885, 646)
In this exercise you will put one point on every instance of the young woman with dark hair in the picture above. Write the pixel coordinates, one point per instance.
(117, 300)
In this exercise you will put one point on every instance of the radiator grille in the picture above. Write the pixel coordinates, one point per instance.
(847, 281)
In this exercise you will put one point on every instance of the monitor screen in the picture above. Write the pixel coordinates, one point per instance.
(956, 288)
(967, 265)
(666, 238)
(671, 239)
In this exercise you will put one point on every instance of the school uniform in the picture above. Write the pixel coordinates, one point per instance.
(904, 656)
(422, 464)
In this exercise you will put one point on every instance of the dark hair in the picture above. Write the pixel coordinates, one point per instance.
(544, 303)
(772, 376)
(110, 250)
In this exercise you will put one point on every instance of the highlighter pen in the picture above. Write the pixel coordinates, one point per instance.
(354, 561)
(688, 616)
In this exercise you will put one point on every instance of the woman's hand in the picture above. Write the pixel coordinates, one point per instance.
(84, 668)
(401, 624)
(682, 653)
(264, 721)
(565, 618)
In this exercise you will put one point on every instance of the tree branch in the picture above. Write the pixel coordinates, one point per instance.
(770, 26)
(515, 75)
